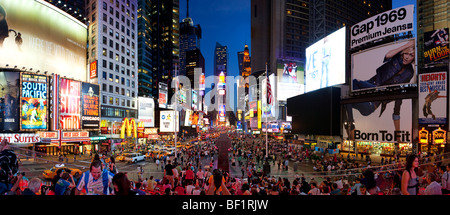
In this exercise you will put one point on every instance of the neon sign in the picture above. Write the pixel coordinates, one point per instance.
(130, 127)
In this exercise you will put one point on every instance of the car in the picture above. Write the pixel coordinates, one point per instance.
(121, 157)
(50, 174)
(134, 157)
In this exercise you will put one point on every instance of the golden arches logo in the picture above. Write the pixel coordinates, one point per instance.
(129, 126)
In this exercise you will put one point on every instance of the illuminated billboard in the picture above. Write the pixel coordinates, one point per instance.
(146, 111)
(325, 62)
(387, 65)
(168, 121)
(69, 105)
(433, 98)
(90, 116)
(366, 122)
(290, 79)
(9, 101)
(163, 95)
(34, 91)
(37, 35)
(385, 24)
(436, 48)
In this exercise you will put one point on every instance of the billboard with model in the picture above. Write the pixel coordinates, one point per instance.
(387, 65)
(325, 62)
(35, 34)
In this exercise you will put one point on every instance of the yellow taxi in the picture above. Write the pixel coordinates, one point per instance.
(50, 174)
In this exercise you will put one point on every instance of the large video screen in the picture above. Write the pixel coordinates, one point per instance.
(384, 66)
(325, 62)
(34, 34)
(291, 78)
(33, 104)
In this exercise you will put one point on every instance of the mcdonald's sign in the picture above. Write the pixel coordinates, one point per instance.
(130, 126)
(93, 70)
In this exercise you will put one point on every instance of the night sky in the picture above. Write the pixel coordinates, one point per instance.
(223, 21)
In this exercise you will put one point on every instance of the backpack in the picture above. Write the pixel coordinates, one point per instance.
(8, 165)
(105, 181)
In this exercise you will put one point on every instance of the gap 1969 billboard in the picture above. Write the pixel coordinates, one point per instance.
(384, 66)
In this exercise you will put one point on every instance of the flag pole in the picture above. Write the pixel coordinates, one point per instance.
(267, 94)
(176, 111)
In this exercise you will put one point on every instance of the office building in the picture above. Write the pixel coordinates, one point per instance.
(165, 42)
(113, 48)
(147, 84)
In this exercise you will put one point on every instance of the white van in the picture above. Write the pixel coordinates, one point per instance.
(134, 157)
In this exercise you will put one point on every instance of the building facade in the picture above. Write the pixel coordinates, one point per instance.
(113, 47)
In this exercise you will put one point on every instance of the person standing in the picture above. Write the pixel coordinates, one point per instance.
(9, 166)
(168, 172)
(63, 186)
(445, 180)
(410, 181)
(95, 181)
(433, 187)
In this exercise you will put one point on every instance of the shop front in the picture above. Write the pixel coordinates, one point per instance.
(63, 142)
(383, 149)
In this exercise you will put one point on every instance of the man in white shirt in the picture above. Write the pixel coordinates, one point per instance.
(200, 175)
(445, 181)
(314, 190)
(433, 187)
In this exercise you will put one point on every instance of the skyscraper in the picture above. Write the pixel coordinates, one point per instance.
(220, 59)
(431, 15)
(165, 41)
(113, 47)
(190, 36)
(244, 61)
(147, 84)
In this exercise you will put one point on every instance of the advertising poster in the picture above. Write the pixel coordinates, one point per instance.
(34, 103)
(35, 34)
(388, 23)
(436, 48)
(325, 62)
(380, 67)
(194, 100)
(168, 121)
(163, 95)
(146, 111)
(90, 116)
(9, 101)
(70, 103)
(433, 98)
(379, 121)
(291, 78)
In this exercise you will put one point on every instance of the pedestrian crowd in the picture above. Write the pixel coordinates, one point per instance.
(185, 175)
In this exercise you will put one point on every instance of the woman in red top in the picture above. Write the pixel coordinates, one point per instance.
(189, 175)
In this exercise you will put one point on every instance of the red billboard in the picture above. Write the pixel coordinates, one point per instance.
(70, 101)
